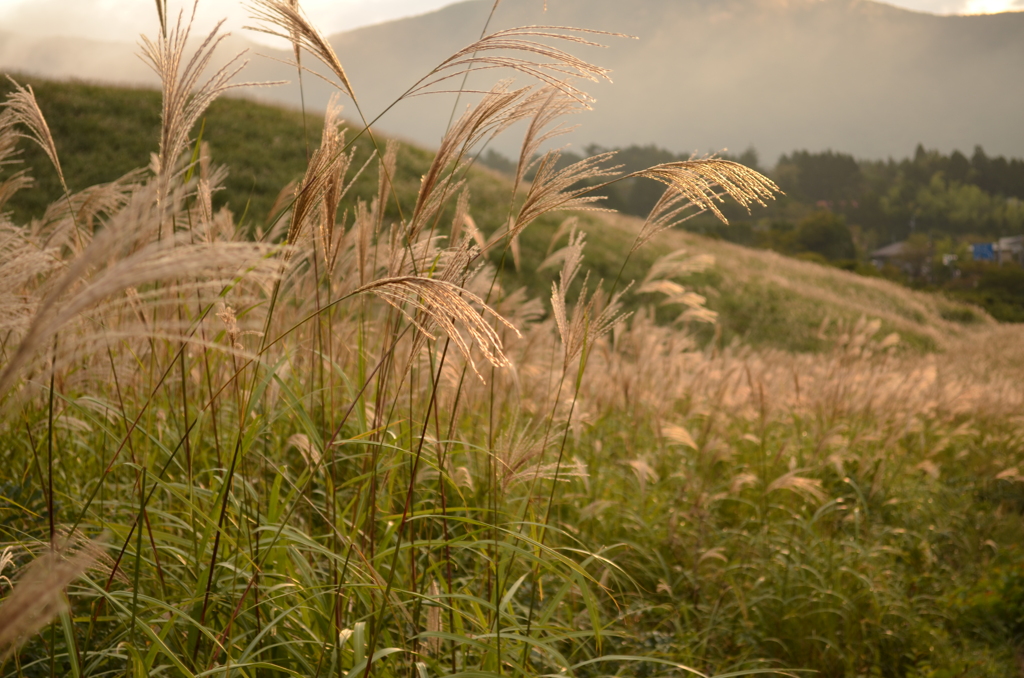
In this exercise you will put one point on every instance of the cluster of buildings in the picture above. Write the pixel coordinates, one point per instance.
(903, 254)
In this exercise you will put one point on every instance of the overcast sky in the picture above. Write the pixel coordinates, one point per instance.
(126, 19)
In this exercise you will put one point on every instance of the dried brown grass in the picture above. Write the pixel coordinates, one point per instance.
(38, 592)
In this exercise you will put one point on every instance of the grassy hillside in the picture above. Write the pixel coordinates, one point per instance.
(104, 132)
(762, 299)
(767, 299)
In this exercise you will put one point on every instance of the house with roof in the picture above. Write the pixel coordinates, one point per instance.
(889, 254)
(1010, 250)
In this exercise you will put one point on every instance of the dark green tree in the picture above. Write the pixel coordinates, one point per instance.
(828, 177)
(827, 234)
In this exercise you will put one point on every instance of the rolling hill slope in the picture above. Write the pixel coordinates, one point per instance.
(764, 299)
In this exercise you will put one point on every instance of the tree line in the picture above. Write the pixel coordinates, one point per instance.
(838, 210)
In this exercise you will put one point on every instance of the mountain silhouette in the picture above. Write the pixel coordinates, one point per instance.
(852, 75)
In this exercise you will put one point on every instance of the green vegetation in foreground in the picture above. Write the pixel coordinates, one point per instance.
(851, 545)
(102, 132)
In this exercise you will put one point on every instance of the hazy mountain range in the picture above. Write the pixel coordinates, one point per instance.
(850, 75)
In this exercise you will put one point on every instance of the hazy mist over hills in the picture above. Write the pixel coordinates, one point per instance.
(851, 75)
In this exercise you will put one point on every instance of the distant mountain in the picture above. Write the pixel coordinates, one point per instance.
(852, 75)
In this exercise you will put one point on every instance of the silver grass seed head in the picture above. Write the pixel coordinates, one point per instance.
(22, 108)
(284, 19)
(697, 181)
(447, 306)
(38, 593)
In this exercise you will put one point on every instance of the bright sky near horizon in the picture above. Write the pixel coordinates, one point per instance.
(125, 19)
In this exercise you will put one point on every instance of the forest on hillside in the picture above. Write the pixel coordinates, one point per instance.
(839, 210)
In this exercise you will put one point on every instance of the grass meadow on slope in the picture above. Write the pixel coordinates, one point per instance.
(761, 299)
(404, 418)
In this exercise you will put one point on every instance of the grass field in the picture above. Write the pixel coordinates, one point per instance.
(379, 424)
